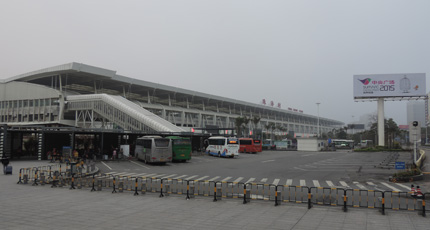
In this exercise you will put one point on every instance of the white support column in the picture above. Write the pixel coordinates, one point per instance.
(199, 120)
(76, 118)
(182, 118)
(381, 125)
(92, 118)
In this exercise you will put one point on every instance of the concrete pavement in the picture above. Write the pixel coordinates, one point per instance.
(43, 207)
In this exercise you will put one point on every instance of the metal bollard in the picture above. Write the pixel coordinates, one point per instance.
(188, 190)
(135, 187)
(424, 206)
(309, 199)
(79, 183)
(167, 189)
(215, 196)
(72, 186)
(278, 198)
(93, 182)
(161, 188)
(35, 179)
(60, 181)
(143, 187)
(20, 173)
(345, 199)
(42, 179)
(219, 193)
(246, 195)
(192, 189)
(99, 185)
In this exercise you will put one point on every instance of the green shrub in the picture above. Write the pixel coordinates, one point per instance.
(408, 173)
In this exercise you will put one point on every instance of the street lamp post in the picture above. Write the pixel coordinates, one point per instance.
(318, 124)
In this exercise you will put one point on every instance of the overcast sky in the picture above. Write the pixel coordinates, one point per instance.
(296, 53)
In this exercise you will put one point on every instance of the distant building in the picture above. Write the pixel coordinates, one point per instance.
(416, 111)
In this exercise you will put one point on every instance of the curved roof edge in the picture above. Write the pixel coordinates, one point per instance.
(73, 66)
(110, 74)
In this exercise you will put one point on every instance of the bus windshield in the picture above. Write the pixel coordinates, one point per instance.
(245, 142)
(182, 142)
(216, 141)
(161, 142)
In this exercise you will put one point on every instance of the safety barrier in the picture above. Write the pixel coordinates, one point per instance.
(58, 176)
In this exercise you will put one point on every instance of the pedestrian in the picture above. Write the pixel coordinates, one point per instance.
(114, 154)
(75, 154)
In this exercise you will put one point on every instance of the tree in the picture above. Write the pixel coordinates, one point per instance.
(342, 134)
(270, 126)
(240, 124)
(392, 131)
(255, 121)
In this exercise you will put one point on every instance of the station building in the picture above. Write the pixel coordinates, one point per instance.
(75, 98)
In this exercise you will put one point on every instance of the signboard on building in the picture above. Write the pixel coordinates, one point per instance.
(389, 85)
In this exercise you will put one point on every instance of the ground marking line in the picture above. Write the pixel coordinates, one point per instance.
(180, 177)
(264, 180)
(250, 180)
(359, 185)
(389, 186)
(302, 183)
(238, 179)
(170, 176)
(201, 178)
(343, 183)
(276, 181)
(143, 166)
(316, 183)
(267, 161)
(404, 186)
(330, 183)
(289, 182)
(213, 179)
(226, 179)
(191, 177)
(106, 165)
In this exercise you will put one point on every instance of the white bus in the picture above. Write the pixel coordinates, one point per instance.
(223, 146)
(154, 149)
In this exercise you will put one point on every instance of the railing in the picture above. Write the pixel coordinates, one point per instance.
(123, 112)
(218, 190)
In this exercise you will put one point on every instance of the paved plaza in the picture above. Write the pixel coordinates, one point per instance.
(43, 207)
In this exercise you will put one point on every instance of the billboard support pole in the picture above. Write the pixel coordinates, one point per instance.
(381, 125)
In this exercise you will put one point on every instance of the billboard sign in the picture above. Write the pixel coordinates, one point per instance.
(389, 85)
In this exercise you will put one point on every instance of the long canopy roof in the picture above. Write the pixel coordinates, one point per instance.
(84, 79)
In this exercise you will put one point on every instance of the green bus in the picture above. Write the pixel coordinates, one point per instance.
(181, 148)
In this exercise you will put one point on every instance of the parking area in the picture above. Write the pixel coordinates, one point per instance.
(339, 169)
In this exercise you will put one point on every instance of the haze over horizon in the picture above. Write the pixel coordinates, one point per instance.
(296, 53)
